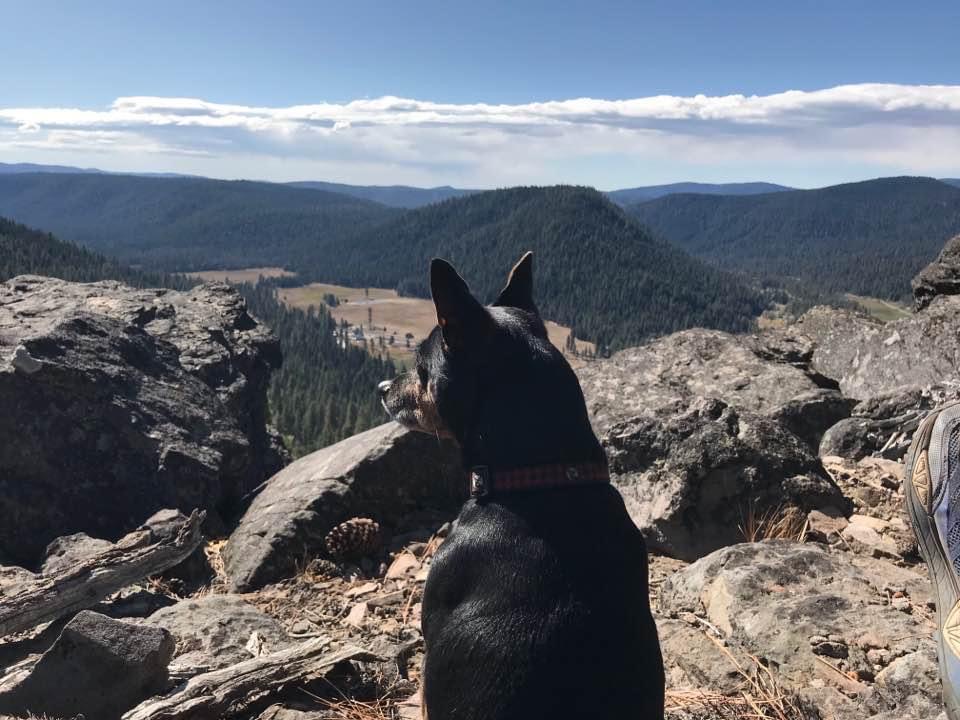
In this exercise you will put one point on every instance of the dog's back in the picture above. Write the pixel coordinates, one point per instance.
(538, 608)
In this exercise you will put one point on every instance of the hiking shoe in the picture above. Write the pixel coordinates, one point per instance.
(932, 480)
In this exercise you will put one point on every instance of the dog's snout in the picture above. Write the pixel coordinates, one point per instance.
(384, 387)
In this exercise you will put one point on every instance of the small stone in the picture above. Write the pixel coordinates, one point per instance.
(902, 604)
(402, 564)
(871, 640)
(364, 589)
(301, 627)
(24, 362)
(832, 649)
(356, 615)
(827, 525)
(394, 598)
(869, 521)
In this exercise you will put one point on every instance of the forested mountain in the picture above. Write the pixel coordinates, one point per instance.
(24, 251)
(323, 392)
(398, 196)
(597, 270)
(184, 223)
(628, 196)
(952, 181)
(867, 238)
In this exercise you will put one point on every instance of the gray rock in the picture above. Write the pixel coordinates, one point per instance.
(695, 662)
(909, 687)
(682, 366)
(213, 632)
(66, 551)
(693, 473)
(151, 398)
(851, 438)
(941, 277)
(869, 358)
(98, 667)
(382, 473)
(885, 424)
(810, 415)
(784, 602)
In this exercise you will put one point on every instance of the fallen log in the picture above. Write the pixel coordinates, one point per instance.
(222, 693)
(129, 560)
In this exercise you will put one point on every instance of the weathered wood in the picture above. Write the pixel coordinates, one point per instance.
(223, 692)
(132, 558)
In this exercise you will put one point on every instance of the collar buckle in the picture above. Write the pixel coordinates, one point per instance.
(479, 481)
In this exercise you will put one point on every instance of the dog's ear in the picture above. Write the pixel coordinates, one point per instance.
(518, 292)
(459, 314)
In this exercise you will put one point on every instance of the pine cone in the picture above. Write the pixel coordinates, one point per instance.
(324, 568)
(353, 539)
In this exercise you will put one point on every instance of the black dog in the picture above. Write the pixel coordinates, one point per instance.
(536, 605)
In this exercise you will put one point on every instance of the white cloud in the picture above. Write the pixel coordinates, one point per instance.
(878, 128)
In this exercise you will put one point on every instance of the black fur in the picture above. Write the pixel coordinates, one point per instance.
(536, 605)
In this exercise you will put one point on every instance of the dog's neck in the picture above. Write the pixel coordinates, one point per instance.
(537, 418)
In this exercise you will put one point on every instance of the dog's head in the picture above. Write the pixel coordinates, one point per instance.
(471, 346)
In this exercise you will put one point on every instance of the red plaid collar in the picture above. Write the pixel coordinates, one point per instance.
(485, 481)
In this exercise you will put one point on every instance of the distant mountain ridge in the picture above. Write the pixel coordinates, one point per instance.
(409, 197)
(629, 196)
(867, 238)
(398, 196)
(177, 224)
(18, 168)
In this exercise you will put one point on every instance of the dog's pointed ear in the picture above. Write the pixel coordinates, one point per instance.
(518, 292)
(459, 314)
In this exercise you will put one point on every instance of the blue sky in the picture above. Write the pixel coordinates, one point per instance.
(123, 64)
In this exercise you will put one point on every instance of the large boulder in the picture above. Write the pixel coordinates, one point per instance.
(811, 414)
(382, 473)
(803, 607)
(941, 277)
(683, 366)
(98, 667)
(215, 631)
(696, 474)
(119, 402)
(867, 357)
(885, 424)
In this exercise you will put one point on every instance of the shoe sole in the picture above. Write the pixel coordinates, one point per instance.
(924, 471)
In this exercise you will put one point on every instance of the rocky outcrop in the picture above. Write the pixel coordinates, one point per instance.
(848, 631)
(941, 277)
(884, 425)
(686, 365)
(98, 667)
(119, 402)
(868, 358)
(382, 474)
(694, 473)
